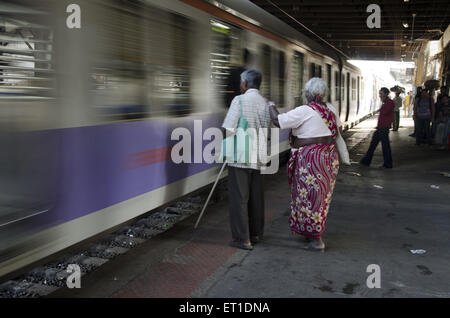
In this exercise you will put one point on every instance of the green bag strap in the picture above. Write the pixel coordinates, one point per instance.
(240, 103)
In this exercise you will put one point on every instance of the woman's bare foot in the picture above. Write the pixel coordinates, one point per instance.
(314, 244)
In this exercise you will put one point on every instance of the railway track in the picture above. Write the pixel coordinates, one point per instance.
(52, 275)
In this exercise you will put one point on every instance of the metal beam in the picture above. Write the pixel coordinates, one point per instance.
(366, 40)
(351, 3)
(343, 23)
(353, 14)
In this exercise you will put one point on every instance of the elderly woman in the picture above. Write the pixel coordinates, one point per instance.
(314, 162)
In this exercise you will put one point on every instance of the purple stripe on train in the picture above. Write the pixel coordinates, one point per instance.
(92, 172)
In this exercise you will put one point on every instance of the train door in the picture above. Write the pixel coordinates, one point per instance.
(348, 97)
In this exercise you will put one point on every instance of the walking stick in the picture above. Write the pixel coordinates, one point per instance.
(210, 194)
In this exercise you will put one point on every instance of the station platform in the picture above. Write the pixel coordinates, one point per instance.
(377, 216)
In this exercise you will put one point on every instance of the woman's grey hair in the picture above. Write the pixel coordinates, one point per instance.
(315, 86)
(252, 77)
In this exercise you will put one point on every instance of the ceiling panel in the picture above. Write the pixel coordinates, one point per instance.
(343, 24)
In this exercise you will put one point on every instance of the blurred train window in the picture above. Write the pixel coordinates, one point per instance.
(353, 89)
(297, 78)
(343, 87)
(226, 53)
(266, 71)
(336, 85)
(169, 42)
(26, 54)
(358, 92)
(329, 76)
(281, 77)
(27, 91)
(362, 88)
(316, 70)
(142, 61)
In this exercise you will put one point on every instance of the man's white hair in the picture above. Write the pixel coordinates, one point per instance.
(315, 86)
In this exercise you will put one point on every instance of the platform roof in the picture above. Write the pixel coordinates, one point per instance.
(343, 23)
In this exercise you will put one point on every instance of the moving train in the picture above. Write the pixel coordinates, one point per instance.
(87, 113)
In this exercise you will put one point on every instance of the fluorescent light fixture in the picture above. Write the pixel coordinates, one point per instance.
(220, 25)
(403, 44)
(405, 24)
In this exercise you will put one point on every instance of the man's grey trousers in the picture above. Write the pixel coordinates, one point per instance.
(246, 203)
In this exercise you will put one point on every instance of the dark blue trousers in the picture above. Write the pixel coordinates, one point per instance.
(381, 134)
(423, 133)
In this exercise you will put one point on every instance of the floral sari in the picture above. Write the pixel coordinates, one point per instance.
(312, 172)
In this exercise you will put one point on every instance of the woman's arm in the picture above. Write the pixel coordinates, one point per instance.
(273, 111)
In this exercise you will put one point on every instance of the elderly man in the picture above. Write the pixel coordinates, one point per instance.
(382, 133)
(246, 202)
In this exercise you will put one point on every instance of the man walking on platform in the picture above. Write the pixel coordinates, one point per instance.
(382, 133)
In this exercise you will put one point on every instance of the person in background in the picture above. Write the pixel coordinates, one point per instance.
(434, 123)
(424, 112)
(245, 182)
(443, 122)
(234, 80)
(408, 100)
(382, 133)
(314, 161)
(439, 99)
(413, 102)
(398, 104)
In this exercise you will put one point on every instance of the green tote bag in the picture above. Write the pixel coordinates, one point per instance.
(237, 148)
